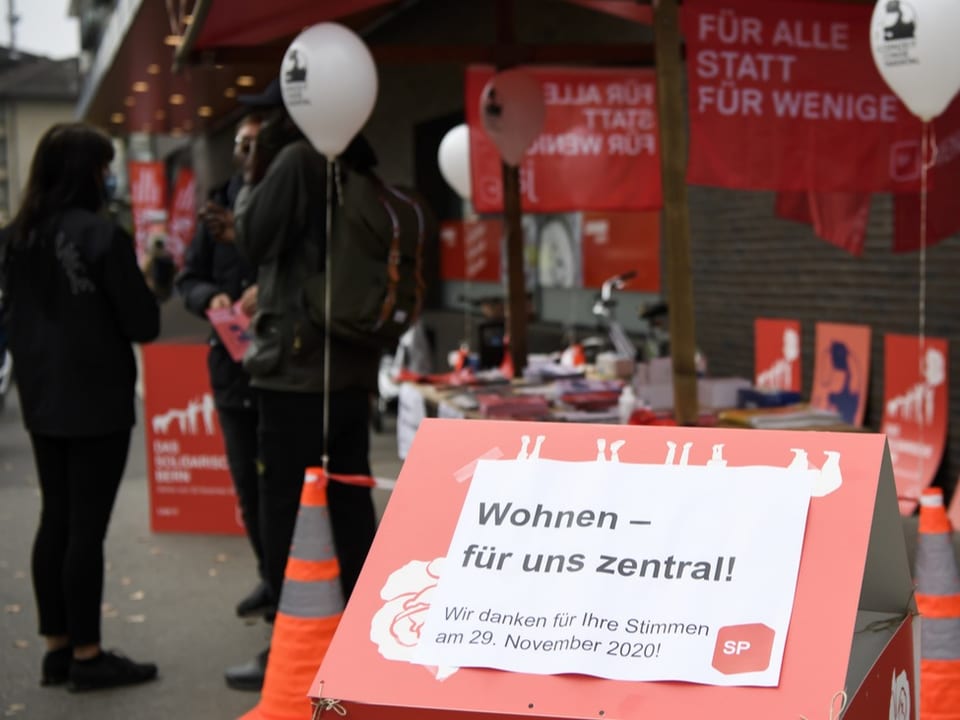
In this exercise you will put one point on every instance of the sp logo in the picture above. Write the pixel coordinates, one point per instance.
(900, 696)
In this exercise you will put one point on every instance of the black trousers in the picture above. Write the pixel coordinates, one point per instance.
(239, 427)
(291, 440)
(79, 478)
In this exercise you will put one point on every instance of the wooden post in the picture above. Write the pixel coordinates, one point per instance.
(676, 225)
(516, 277)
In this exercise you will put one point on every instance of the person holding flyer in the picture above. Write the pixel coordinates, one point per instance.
(215, 279)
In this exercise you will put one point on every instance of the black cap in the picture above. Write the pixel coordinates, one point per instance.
(269, 98)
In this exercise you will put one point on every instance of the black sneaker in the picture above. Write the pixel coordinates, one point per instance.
(258, 602)
(56, 666)
(108, 670)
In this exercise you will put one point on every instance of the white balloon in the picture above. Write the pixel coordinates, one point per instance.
(453, 157)
(916, 49)
(329, 84)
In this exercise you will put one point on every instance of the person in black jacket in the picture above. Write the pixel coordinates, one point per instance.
(214, 276)
(75, 302)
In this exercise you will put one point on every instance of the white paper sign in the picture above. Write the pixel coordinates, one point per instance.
(621, 571)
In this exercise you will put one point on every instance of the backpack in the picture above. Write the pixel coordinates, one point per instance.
(376, 254)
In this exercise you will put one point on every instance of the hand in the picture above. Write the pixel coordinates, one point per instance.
(220, 301)
(219, 222)
(248, 301)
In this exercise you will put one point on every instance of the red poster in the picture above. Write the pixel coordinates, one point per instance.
(785, 96)
(599, 149)
(943, 219)
(841, 370)
(470, 250)
(148, 201)
(618, 242)
(190, 485)
(183, 214)
(777, 354)
(915, 411)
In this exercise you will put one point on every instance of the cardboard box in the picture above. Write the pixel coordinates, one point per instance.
(848, 651)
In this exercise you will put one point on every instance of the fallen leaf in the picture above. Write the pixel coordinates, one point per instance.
(21, 644)
(12, 609)
(111, 613)
(125, 581)
(212, 572)
(222, 558)
(14, 708)
(138, 595)
(136, 618)
(155, 551)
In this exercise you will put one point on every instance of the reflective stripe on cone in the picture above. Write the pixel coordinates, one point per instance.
(938, 599)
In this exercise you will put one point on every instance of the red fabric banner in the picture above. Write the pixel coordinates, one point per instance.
(148, 202)
(183, 214)
(943, 220)
(617, 242)
(839, 218)
(470, 250)
(785, 96)
(599, 149)
(915, 386)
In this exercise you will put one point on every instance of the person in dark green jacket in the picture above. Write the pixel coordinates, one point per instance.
(75, 302)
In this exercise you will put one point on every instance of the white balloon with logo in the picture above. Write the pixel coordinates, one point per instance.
(328, 80)
(453, 156)
(916, 47)
(512, 110)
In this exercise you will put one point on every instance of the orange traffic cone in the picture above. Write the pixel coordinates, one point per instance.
(311, 603)
(938, 599)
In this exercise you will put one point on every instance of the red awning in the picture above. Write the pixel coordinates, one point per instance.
(238, 23)
(255, 22)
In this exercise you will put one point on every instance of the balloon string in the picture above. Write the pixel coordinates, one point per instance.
(928, 158)
(327, 306)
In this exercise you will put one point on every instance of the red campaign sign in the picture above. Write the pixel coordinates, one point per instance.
(190, 485)
(943, 220)
(470, 250)
(915, 411)
(599, 149)
(183, 214)
(617, 242)
(148, 201)
(777, 354)
(786, 96)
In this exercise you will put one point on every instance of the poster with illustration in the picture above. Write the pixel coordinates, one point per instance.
(563, 570)
(841, 370)
(916, 395)
(777, 354)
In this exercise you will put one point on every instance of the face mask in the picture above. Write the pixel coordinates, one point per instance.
(109, 185)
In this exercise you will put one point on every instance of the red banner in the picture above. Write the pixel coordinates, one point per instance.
(777, 354)
(183, 214)
(470, 250)
(617, 242)
(785, 96)
(839, 218)
(190, 485)
(841, 370)
(599, 149)
(148, 202)
(915, 414)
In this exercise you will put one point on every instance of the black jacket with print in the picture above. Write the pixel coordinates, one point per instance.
(75, 301)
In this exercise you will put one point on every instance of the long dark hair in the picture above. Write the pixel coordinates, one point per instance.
(66, 173)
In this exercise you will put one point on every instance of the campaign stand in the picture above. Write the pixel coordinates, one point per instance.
(189, 479)
(848, 649)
